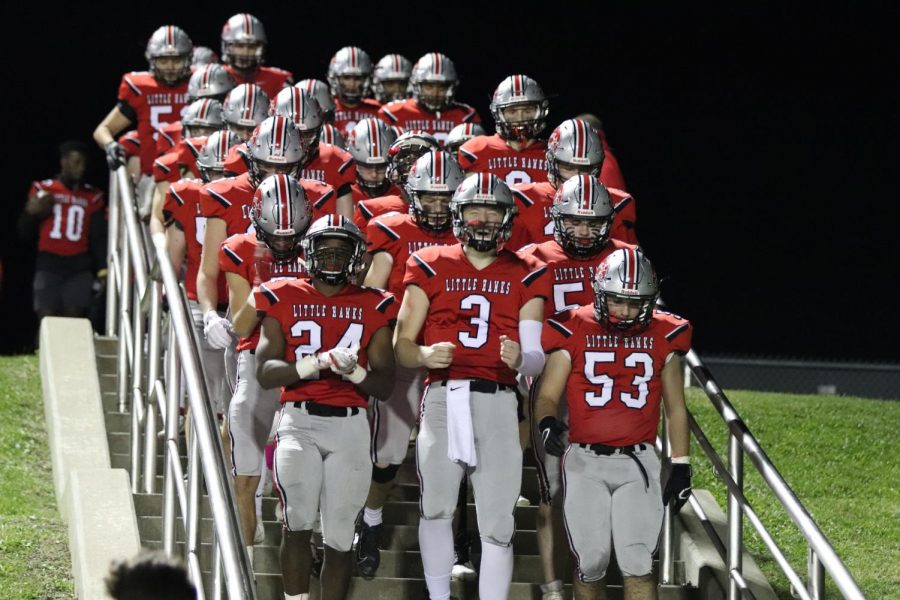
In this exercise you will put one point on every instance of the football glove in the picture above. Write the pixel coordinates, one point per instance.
(678, 487)
(218, 331)
(115, 155)
(551, 434)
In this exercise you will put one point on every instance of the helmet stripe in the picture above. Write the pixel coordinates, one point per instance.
(204, 108)
(437, 63)
(248, 24)
(204, 80)
(438, 167)
(284, 195)
(353, 56)
(517, 85)
(375, 145)
(223, 146)
(396, 60)
(170, 35)
(296, 100)
(580, 135)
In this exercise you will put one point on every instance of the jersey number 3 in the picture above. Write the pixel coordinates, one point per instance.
(635, 360)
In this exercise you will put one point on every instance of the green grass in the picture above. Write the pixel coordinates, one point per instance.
(34, 550)
(842, 459)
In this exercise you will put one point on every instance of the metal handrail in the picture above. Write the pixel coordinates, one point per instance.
(153, 378)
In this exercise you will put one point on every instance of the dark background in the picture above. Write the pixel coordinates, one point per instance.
(760, 143)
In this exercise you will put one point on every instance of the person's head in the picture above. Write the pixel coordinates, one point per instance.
(319, 90)
(169, 52)
(482, 210)
(573, 148)
(461, 134)
(275, 148)
(73, 158)
(390, 79)
(519, 107)
(334, 250)
(211, 160)
(350, 75)
(149, 576)
(297, 105)
(433, 81)
(210, 81)
(368, 145)
(592, 120)
(330, 135)
(244, 108)
(582, 216)
(625, 290)
(430, 186)
(280, 215)
(244, 42)
(203, 56)
(405, 150)
(202, 117)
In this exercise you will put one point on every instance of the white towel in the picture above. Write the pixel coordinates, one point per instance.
(460, 436)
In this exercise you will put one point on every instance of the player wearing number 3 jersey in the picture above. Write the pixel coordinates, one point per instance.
(478, 308)
(615, 360)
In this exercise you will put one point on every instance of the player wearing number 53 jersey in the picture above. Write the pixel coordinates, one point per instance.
(479, 309)
(328, 344)
(615, 360)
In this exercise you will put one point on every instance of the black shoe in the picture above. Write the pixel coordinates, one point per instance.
(318, 558)
(368, 555)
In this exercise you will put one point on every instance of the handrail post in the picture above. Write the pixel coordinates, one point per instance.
(735, 516)
(125, 287)
(113, 276)
(153, 362)
(666, 554)
(173, 395)
(815, 576)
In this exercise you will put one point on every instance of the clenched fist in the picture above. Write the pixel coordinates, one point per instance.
(438, 356)
(510, 352)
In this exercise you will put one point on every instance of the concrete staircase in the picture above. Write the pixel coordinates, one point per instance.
(400, 574)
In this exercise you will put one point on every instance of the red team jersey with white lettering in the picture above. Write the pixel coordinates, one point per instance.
(271, 79)
(168, 167)
(153, 104)
(248, 257)
(331, 165)
(359, 194)
(610, 172)
(182, 209)
(229, 199)
(313, 322)
(534, 225)
(167, 137)
(408, 115)
(346, 117)
(234, 160)
(65, 231)
(615, 387)
(366, 210)
(400, 236)
(472, 308)
(131, 142)
(570, 277)
(492, 154)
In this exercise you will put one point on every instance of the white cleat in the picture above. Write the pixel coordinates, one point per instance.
(463, 572)
(523, 501)
(260, 534)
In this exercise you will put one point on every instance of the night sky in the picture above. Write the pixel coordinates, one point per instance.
(760, 144)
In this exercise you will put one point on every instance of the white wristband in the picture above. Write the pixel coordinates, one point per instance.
(356, 375)
(681, 460)
(307, 367)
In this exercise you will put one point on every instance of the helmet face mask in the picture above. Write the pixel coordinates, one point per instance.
(244, 43)
(626, 289)
(350, 75)
(368, 144)
(519, 107)
(433, 82)
(482, 210)
(390, 79)
(430, 185)
(334, 250)
(404, 152)
(280, 215)
(582, 216)
(169, 51)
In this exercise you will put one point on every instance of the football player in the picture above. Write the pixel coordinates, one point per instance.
(244, 52)
(432, 107)
(330, 135)
(583, 216)
(202, 56)
(390, 79)
(368, 144)
(515, 154)
(244, 108)
(149, 99)
(611, 173)
(615, 360)
(391, 239)
(327, 343)
(319, 90)
(574, 147)
(461, 134)
(350, 78)
(478, 309)
(209, 82)
(131, 143)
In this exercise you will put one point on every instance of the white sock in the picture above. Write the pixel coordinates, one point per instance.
(260, 488)
(372, 517)
(436, 546)
(250, 555)
(495, 573)
(296, 596)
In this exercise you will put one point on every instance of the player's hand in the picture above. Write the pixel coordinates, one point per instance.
(343, 360)
(510, 352)
(552, 430)
(678, 487)
(308, 366)
(438, 356)
(115, 155)
(218, 331)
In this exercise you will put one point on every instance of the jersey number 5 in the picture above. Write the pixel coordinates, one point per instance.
(635, 360)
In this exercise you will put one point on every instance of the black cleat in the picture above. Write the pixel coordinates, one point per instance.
(318, 558)
(368, 554)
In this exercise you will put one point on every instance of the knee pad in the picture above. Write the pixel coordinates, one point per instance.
(384, 475)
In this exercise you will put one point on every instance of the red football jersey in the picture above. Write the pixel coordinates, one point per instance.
(333, 166)
(153, 104)
(182, 209)
(234, 160)
(400, 236)
(271, 79)
(321, 197)
(472, 308)
(248, 257)
(168, 167)
(359, 194)
(65, 231)
(614, 390)
(229, 199)
(167, 137)
(491, 154)
(131, 142)
(610, 173)
(534, 225)
(369, 209)
(571, 278)
(312, 322)
(408, 115)
(346, 118)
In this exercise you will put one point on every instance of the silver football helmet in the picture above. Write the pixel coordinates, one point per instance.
(350, 61)
(319, 90)
(169, 52)
(280, 214)
(482, 189)
(626, 275)
(202, 117)
(203, 56)
(368, 144)
(390, 80)
(334, 264)
(330, 135)
(244, 42)
(524, 92)
(582, 198)
(575, 144)
(295, 104)
(210, 81)
(275, 147)
(461, 134)
(244, 108)
(211, 159)
(437, 68)
(405, 150)
(433, 174)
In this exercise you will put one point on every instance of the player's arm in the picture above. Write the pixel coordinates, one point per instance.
(672, 378)
(379, 380)
(271, 368)
(379, 270)
(176, 245)
(110, 126)
(526, 356)
(39, 204)
(241, 305)
(409, 323)
(207, 292)
(552, 384)
(157, 220)
(344, 205)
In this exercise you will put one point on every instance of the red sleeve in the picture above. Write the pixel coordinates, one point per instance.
(610, 173)
(131, 143)
(380, 237)
(420, 273)
(173, 206)
(536, 285)
(212, 203)
(558, 331)
(35, 187)
(165, 168)
(625, 221)
(679, 334)
(265, 297)
(234, 161)
(467, 156)
(130, 94)
(233, 256)
(387, 116)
